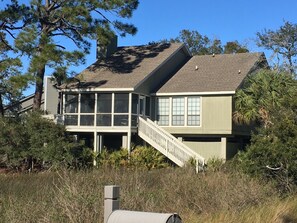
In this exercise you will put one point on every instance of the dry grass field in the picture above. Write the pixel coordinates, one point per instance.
(215, 196)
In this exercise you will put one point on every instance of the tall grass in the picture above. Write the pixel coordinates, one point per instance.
(67, 196)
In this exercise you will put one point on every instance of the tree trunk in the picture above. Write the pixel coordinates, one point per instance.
(291, 68)
(1, 106)
(38, 88)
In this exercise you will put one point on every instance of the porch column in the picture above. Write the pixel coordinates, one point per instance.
(224, 148)
(125, 141)
(129, 141)
(100, 140)
(129, 124)
(95, 146)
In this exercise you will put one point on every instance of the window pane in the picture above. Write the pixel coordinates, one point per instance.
(121, 120)
(87, 103)
(163, 120)
(178, 120)
(121, 103)
(71, 119)
(194, 120)
(104, 120)
(71, 103)
(104, 103)
(163, 111)
(87, 120)
(194, 111)
(178, 106)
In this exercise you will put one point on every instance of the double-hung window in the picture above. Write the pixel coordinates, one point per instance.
(178, 111)
(193, 111)
(163, 111)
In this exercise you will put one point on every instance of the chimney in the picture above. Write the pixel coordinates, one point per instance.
(104, 51)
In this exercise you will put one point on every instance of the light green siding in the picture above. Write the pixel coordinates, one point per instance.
(162, 73)
(208, 150)
(216, 117)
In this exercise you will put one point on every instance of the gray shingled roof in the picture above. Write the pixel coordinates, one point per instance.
(127, 67)
(212, 73)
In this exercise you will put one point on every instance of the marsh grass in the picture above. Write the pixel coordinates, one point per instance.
(215, 196)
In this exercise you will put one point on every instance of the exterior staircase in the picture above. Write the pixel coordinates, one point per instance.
(167, 144)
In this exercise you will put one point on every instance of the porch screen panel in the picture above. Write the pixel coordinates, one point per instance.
(121, 109)
(71, 103)
(163, 111)
(147, 106)
(87, 103)
(193, 111)
(104, 102)
(134, 116)
(87, 109)
(178, 111)
(134, 103)
(71, 109)
(121, 103)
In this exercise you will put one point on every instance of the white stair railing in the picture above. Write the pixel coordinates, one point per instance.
(167, 144)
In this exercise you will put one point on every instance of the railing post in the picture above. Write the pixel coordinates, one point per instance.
(111, 200)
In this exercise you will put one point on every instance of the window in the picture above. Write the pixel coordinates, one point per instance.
(193, 111)
(178, 111)
(163, 111)
(182, 111)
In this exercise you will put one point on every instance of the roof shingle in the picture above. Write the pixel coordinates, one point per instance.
(127, 67)
(212, 73)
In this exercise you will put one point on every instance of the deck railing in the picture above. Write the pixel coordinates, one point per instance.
(167, 144)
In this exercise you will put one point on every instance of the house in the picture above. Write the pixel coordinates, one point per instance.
(49, 101)
(180, 104)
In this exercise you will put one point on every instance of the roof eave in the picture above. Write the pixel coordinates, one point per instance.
(194, 93)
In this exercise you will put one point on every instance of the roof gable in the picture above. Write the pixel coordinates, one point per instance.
(126, 68)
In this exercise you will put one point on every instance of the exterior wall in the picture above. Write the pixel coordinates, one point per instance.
(217, 150)
(208, 150)
(163, 73)
(51, 97)
(216, 118)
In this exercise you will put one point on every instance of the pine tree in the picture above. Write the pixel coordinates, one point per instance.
(39, 29)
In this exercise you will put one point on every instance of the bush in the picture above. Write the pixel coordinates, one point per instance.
(140, 157)
(148, 157)
(31, 141)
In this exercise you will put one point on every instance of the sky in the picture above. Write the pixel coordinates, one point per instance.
(227, 20)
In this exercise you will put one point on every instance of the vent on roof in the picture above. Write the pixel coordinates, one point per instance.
(213, 55)
(239, 71)
(196, 68)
